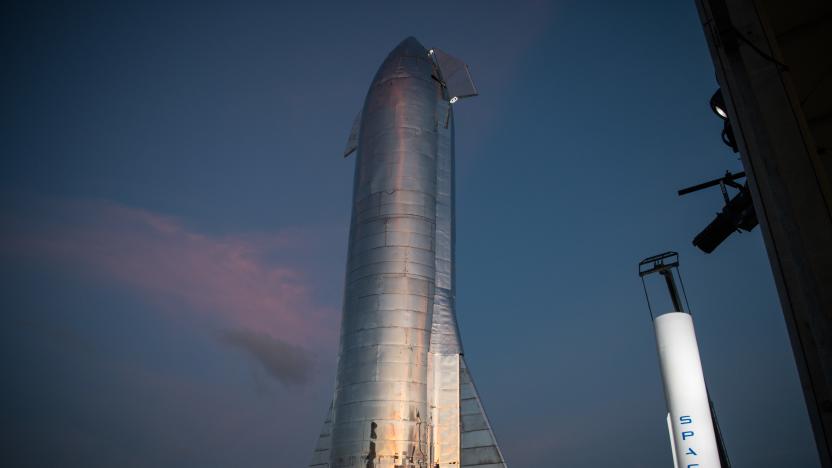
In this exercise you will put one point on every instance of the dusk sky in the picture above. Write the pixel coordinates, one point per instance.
(175, 211)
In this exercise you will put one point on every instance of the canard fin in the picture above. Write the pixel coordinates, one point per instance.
(352, 141)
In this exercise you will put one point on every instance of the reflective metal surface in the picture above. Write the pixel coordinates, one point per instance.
(403, 397)
(455, 75)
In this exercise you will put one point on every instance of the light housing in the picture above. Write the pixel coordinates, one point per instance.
(737, 215)
(718, 105)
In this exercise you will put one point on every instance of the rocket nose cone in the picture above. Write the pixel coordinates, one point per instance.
(410, 46)
(409, 59)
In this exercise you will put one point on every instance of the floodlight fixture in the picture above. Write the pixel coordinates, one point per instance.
(718, 105)
(736, 216)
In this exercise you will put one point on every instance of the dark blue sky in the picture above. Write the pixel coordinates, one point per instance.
(175, 213)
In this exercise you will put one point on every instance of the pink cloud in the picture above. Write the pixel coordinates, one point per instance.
(232, 279)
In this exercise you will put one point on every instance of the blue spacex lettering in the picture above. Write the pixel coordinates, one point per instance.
(683, 420)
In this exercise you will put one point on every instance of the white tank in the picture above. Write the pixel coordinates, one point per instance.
(692, 434)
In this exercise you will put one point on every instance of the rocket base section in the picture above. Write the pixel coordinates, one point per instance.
(461, 433)
(320, 457)
(479, 446)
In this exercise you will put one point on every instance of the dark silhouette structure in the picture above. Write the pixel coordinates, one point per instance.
(773, 61)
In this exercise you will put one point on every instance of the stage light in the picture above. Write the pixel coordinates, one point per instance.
(718, 105)
(737, 215)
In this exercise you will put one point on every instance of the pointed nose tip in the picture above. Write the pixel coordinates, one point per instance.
(410, 46)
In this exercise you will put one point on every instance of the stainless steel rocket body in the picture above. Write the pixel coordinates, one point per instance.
(388, 300)
(397, 398)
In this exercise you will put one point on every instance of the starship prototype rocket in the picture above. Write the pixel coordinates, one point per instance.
(404, 396)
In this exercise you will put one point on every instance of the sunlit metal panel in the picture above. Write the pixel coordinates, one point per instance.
(403, 393)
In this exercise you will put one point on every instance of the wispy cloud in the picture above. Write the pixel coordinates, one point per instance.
(286, 363)
(235, 281)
